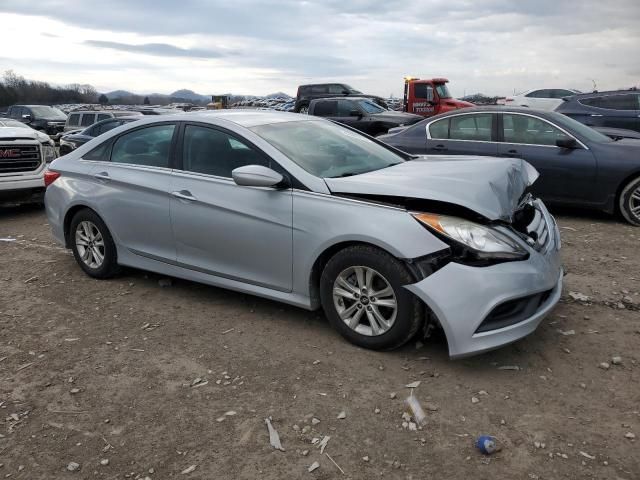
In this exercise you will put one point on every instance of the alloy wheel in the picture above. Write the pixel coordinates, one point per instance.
(634, 203)
(365, 300)
(90, 244)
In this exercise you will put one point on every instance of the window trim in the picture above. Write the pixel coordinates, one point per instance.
(497, 130)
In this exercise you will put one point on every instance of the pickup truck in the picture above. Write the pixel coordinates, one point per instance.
(24, 155)
(361, 113)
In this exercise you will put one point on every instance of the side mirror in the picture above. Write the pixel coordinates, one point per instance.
(256, 176)
(569, 143)
(27, 117)
(345, 92)
(355, 113)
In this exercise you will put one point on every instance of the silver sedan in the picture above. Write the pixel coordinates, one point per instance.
(301, 210)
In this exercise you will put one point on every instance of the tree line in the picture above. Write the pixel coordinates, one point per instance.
(15, 88)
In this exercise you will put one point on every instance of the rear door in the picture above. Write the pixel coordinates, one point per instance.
(566, 175)
(463, 134)
(227, 230)
(131, 189)
(616, 111)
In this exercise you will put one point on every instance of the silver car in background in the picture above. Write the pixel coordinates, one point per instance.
(301, 210)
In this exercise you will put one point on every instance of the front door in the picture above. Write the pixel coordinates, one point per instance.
(565, 174)
(227, 230)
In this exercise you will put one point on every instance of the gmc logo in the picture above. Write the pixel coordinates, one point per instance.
(10, 153)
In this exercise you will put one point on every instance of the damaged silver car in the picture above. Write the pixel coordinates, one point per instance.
(301, 210)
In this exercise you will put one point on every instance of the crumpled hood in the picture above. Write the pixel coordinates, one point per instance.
(17, 132)
(491, 187)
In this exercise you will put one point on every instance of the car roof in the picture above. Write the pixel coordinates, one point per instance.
(608, 92)
(346, 97)
(493, 109)
(245, 118)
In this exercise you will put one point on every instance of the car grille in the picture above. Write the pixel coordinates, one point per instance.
(19, 158)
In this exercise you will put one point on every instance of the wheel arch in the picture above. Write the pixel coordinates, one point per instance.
(68, 217)
(625, 181)
(328, 252)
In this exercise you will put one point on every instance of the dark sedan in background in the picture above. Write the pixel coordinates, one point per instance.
(73, 140)
(578, 165)
(361, 113)
(615, 109)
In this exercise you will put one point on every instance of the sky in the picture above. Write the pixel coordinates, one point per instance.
(496, 47)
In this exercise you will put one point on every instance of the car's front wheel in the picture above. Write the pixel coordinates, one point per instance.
(629, 202)
(363, 295)
(92, 245)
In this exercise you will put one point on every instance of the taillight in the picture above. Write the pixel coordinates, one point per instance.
(507, 100)
(50, 176)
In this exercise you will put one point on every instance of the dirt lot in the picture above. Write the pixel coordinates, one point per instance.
(104, 371)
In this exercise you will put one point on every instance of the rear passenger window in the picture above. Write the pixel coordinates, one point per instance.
(614, 102)
(88, 119)
(471, 127)
(214, 152)
(336, 89)
(439, 129)
(74, 119)
(325, 109)
(146, 146)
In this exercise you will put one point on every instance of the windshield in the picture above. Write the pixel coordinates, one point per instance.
(48, 113)
(351, 89)
(579, 128)
(327, 150)
(370, 107)
(13, 123)
(443, 91)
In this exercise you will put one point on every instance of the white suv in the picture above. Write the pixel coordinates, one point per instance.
(24, 155)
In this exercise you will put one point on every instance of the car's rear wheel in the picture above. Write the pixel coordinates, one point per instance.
(92, 245)
(304, 109)
(629, 202)
(363, 295)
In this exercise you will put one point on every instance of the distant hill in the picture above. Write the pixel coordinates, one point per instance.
(190, 96)
(118, 94)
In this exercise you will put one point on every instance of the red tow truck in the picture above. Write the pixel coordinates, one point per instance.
(429, 97)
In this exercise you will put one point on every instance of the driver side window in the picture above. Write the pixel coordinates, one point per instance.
(526, 130)
(214, 152)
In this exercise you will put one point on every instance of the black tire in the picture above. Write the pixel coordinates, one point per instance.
(410, 311)
(109, 266)
(629, 202)
(304, 109)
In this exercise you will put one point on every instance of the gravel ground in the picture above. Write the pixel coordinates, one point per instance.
(129, 379)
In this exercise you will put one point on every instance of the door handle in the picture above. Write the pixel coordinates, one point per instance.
(595, 115)
(184, 195)
(440, 147)
(512, 151)
(104, 176)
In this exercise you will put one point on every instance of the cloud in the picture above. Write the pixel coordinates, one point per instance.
(158, 49)
(252, 46)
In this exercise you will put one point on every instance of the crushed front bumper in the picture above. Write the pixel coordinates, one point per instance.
(483, 308)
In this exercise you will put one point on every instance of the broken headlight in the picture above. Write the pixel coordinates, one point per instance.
(471, 242)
